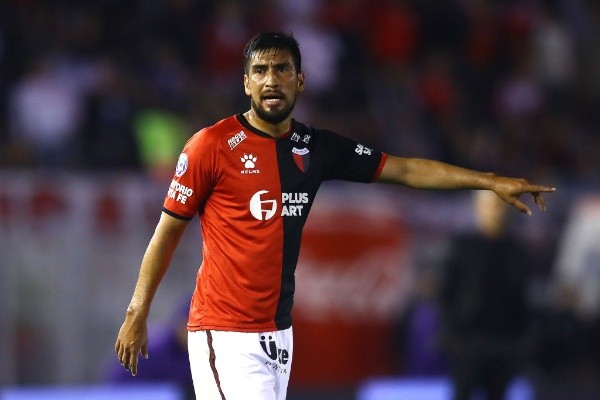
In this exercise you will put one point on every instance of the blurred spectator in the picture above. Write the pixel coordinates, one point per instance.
(160, 136)
(519, 95)
(567, 334)
(421, 353)
(392, 100)
(560, 351)
(320, 45)
(578, 262)
(392, 33)
(438, 92)
(223, 39)
(167, 356)
(484, 305)
(167, 78)
(518, 19)
(108, 139)
(45, 114)
(477, 64)
(481, 56)
(554, 51)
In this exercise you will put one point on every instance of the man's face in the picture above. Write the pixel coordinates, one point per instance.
(272, 83)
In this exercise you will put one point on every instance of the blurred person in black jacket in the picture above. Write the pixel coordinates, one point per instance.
(483, 304)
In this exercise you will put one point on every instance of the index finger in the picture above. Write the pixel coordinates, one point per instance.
(539, 189)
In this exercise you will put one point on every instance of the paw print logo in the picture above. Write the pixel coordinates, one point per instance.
(249, 160)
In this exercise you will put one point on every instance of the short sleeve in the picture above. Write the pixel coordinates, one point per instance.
(194, 177)
(351, 161)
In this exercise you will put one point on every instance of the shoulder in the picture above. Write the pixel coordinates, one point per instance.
(300, 127)
(213, 136)
(313, 134)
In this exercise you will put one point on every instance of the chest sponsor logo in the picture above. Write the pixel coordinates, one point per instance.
(264, 207)
(236, 139)
(249, 161)
(360, 150)
(301, 158)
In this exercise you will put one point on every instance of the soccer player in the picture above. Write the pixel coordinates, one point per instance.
(252, 179)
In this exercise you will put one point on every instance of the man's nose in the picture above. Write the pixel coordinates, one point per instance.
(271, 78)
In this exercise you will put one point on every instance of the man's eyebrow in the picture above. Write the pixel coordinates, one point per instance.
(259, 65)
(266, 65)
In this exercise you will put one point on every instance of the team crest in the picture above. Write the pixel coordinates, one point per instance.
(301, 158)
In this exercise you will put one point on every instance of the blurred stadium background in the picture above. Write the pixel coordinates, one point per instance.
(97, 99)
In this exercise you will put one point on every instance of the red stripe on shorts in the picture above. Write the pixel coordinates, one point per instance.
(211, 359)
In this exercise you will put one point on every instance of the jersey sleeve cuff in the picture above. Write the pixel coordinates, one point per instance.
(175, 215)
(384, 157)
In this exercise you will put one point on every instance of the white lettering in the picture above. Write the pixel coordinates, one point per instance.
(179, 192)
(237, 139)
(292, 205)
(181, 198)
(291, 211)
(294, 198)
(360, 149)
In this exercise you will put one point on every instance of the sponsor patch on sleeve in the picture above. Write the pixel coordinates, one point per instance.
(182, 165)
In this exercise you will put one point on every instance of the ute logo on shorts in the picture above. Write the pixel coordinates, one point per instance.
(271, 350)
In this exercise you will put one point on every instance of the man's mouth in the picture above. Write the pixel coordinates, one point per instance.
(272, 99)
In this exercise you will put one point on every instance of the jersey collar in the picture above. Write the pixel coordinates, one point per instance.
(242, 120)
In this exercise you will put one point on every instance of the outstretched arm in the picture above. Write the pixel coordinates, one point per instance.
(133, 336)
(429, 174)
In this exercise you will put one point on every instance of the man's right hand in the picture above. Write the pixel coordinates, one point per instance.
(132, 340)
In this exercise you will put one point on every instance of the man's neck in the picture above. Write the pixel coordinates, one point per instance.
(275, 130)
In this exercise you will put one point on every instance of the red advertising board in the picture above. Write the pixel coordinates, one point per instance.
(352, 282)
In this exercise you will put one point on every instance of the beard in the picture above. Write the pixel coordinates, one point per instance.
(273, 116)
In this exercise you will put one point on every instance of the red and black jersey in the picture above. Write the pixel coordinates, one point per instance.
(253, 194)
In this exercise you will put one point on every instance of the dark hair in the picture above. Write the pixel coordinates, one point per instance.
(273, 40)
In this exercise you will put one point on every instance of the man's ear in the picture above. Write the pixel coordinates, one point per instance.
(247, 85)
(301, 82)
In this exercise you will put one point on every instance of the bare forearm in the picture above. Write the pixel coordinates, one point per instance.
(430, 174)
(155, 263)
(154, 266)
(133, 336)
